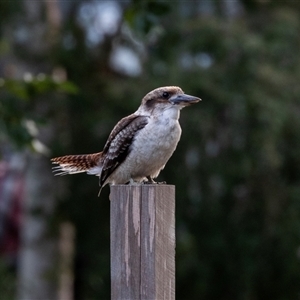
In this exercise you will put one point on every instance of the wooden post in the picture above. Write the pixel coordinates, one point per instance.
(142, 242)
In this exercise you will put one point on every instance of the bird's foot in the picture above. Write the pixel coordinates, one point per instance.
(132, 182)
(151, 181)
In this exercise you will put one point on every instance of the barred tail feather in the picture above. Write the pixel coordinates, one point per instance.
(73, 164)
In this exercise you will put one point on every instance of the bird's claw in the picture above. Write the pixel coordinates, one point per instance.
(151, 181)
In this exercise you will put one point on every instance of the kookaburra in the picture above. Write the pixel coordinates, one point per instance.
(140, 144)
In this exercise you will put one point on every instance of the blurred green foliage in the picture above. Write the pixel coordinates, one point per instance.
(142, 16)
(237, 167)
(18, 102)
(7, 282)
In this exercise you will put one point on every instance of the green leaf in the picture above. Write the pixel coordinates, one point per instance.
(158, 9)
(68, 87)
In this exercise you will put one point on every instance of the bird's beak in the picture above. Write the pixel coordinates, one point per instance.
(184, 99)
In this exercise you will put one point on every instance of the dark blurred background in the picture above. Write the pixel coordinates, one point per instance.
(69, 70)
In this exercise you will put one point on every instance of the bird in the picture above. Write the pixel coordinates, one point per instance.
(139, 145)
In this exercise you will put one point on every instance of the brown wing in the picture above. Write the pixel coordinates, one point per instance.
(118, 144)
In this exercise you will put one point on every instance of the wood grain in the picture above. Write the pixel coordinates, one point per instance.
(142, 242)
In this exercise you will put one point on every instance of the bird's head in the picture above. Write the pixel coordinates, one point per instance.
(168, 97)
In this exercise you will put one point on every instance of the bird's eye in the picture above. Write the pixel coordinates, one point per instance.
(165, 94)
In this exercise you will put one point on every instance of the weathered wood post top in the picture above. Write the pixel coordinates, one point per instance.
(142, 242)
